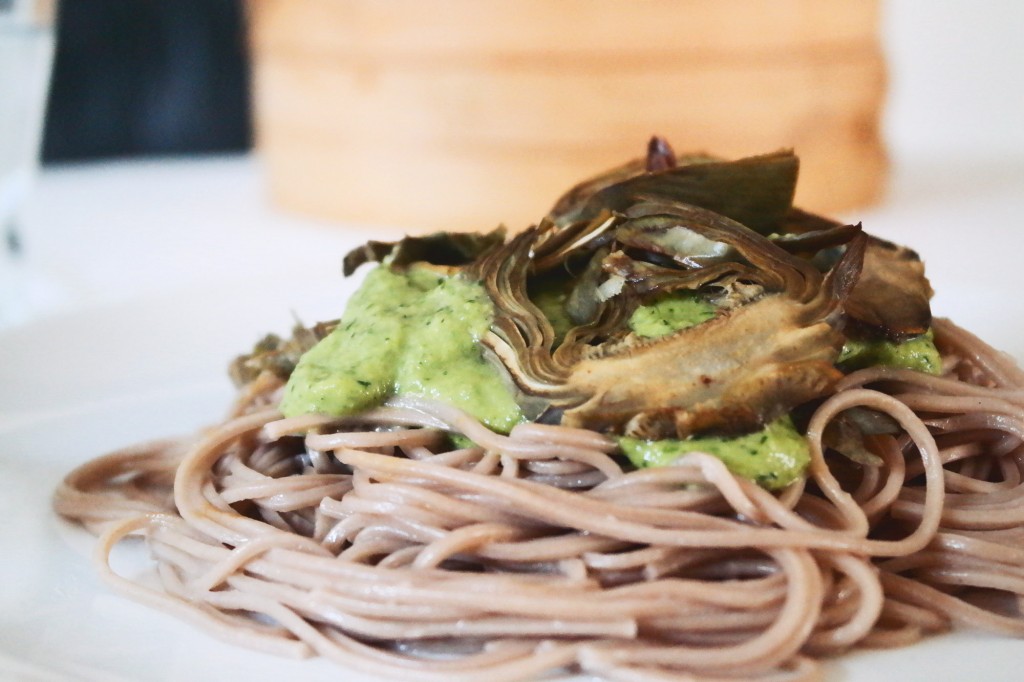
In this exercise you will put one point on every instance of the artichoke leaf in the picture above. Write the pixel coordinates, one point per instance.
(660, 157)
(521, 336)
(813, 241)
(892, 299)
(276, 354)
(441, 248)
(573, 200)
(756, 191)
(585, 298)
(777, 270)
(644, 278)
(851, 431)
(742, 369)
(557, 246)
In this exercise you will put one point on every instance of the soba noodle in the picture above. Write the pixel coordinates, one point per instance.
(367, 541)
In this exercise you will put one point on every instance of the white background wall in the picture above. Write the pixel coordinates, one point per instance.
(956, 70)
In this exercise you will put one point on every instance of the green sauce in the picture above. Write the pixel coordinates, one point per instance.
(411, 333)
(418, 333)
(918, 353)
(551, 299)
(670, 313)
(773, 457)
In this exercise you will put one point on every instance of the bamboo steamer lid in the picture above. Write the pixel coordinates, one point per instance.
(462, 114)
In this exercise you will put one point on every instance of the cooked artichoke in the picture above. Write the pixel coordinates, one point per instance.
(751, 363)
(783, 284)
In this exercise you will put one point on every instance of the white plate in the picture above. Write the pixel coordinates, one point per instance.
(77, 386)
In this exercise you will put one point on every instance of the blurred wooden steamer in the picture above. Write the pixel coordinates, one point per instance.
(460, 114)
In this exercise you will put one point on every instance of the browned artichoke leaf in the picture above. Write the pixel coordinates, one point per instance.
(564, 247)
(673, 227)
(756, 191)
(811, 242)
(892, 297)
(840, 436)
(674, 246)
(722, 280)
(741, 369)
(579, 194)
(799, 221)
(585, 299)
(660, 157)
(440, 248)
(521, 337)
(850, 433)
(277, 355)
(675, 241)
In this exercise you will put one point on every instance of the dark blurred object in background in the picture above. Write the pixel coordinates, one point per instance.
(145, 77)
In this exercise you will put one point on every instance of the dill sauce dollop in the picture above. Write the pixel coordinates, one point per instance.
(405, 333)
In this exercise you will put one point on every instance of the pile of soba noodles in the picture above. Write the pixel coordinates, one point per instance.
(408, 535)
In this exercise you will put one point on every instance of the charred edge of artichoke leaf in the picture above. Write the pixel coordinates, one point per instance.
(892, 298)
(647, 278)
(277, 355)
(555, 245)
(776, 269)
(809, 243)
(580, 193)
(520, 336)
(839, 282)
(439, 248)
(755, 191)
(853, 431)
(584, 302)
